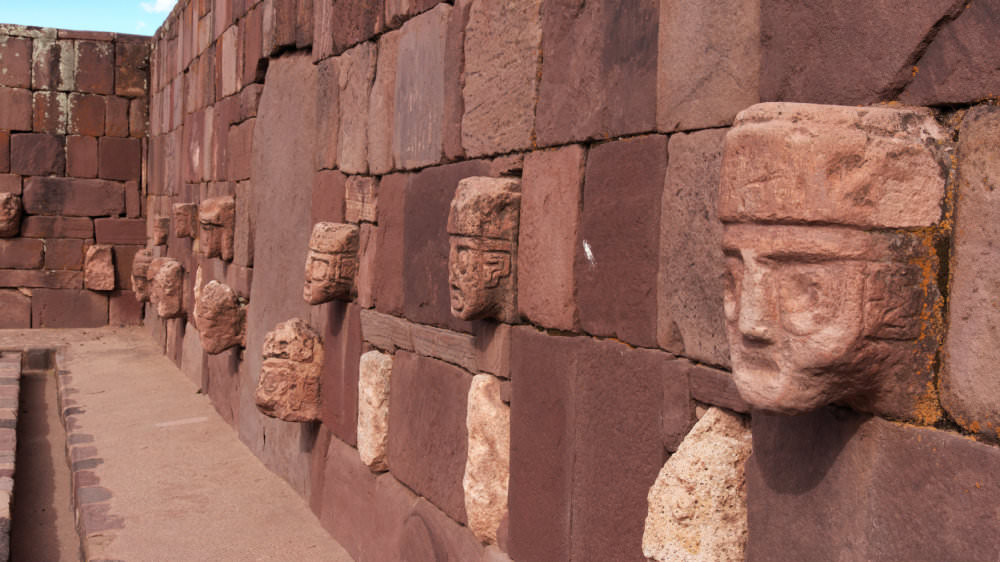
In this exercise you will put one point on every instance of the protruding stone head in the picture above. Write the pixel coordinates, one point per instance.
(160, 230)
(217, 217)
(828, 294)
(185, 220)
(332, 262)
(10, 215)
(482, 227)
(219, 317)
(99, 268)
(288, 388)
(140, 269)
(166, 276)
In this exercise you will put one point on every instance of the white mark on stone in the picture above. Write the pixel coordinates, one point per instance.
(185, 421)
(589, 253)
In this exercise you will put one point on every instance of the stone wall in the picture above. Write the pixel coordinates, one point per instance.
(612, 119)
(73, 114)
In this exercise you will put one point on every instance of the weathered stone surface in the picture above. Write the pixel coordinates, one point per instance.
(81, 156)
(15, 58)
(37, 154)
(598, 71)
(356, 71)
(327, 112)
(50, 111)
(619, 232)
(166, 276)
(388, 284)
(427, 445)
(217, 218)
(43, 278)
(830, 155)
(219, 316)
(373, 409)
(717, 388)
(820, 52)
(95, 67)
(487, 469)
(132, 67)
(243, 230)
(339, 326)
(185, 220)
(329, 196)
(692, 268)
(347, 22)
(502, 44)
(399, 11)
(382, 105)
(289, 387)
(57, 227)
(15, 109)
(65, 253)
(368, 255)
(482, 263)
(551, 198)
(709, 62)
(17, 309)
(361, 203)
(87, 114)
(68, 308)
(54, 64)
(123, 309)
(21, 253)
(969, 386)
(418, 121)
(73, 197)
(119, 159)
(347, 503)
(5, 161)
(332, 262)
(159, 230)
(120, 231)
(836, 484)
(697, 506)
(10, 215)
(194, 362)
(99, 268)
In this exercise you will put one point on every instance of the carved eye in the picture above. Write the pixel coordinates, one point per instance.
(810, 297)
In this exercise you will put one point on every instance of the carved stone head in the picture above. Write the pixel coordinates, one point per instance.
(831, 286)
(219, 317)
(10, 215)
(217, 217)
(161, 230)
(166, 276)
(185, 220)
(482, 228)
(140, 269)
(288, 388)
(99, 268)
(332, 262)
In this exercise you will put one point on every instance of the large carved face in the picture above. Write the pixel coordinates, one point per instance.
(332, 262)
(218, 317)
(167, 285)
(10, 215)
(288, 387)
(476, 271)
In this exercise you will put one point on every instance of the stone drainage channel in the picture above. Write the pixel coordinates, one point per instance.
(37, 512)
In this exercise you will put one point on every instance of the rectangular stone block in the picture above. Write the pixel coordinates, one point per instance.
(15, 58)
(116, 117)
(138, 116)
(73, 197)
(68, 309)
(361, 203)
(21, 253)
(418, 119)
(15, 109)
(398, 11)
(228, 62)
(427, 445)
(53, 64)
(502, 42)
(10, 183)
(4, 151)
(95, 67)
(119, 158)
(64, 253)
(551, 197)
(355, 75)
(278, 25)
(619, 232)
(120, 231)
(329, 196)
(346, 502)
(133, 200)
(339, 326)
(131, 67)
(382, 105)
(81, 156)
(717, 388)
(17, 310)
(240, 150)
(388, 283)
(194, 360)
(327, 112)
(251, 47)
(124, 309)
(49, 112)
(87, 113)
(57, 227)
(303, 23)
(598, 71)
(32, 278)
(348, 22)
(37, 154)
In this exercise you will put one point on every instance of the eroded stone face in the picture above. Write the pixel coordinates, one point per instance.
(373, 408)
(219, 317)
(186, 220)
(836, 311)
(166, 276)
(289, 387)
(10, 215)
(487, 469)
(697, 506)
(332, 262)
(99, 268)
(482, 228)
(161, 230)
(217, 218)
(140, 270)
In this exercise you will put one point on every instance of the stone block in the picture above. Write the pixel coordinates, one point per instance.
(487, 470)
(37, 154)
(253, 63)
(373, 409)
(17, 309)
(5, 152)
(53, 64)
(619, 231)
(95, 67)
(698, 504)
(398, 11)
(49, 112)
(138, 117)
(717, 388)
(347, 506)
(63, 253)
(223, 378)
(87, 113)
(819, 52)
(418, 119)
(348, 22)
(81, 156)
(389, 239)
(502, 44)
(217, 222)
(73, 198)
(969, 389)
(119, 158)
(228, 62)
(430, 534)
(15, 109)
(120, 231)
(185, 220)
(382, 105)
(243, 231)
(53, 308)
(124, 258)
(339, 325)
(356, 71)
(116, 117)
(692, 269)
(99, 268)
(124, 309)
(427, 445)
(361, 199)
(166, 279)
(21, 253)
(131, 67)
(551, 198)
(159, 230)
(278, 25)
(303, 23)
(10, 183)
(327, 112)
(11, 210)
(46, 279)
(240, 150)
(329, 196)
(15, 58)
(599, 66)
(194, 361)
(57, 227)
(367, 258)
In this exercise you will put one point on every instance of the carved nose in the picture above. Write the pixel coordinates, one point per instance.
(755, 320)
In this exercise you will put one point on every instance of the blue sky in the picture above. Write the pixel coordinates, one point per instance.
(140, 17)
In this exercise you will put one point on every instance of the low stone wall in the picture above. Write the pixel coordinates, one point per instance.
(73, 113)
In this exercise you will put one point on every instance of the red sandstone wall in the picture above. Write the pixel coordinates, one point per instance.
(613, 115)
(73, 111)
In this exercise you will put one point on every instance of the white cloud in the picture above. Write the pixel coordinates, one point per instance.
(158, 6)
(140, 26)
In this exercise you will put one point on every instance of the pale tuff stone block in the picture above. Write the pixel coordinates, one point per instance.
(487, 470)
(373, 409)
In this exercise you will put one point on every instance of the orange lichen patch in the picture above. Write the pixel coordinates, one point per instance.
(927, 410)
(916, 70)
